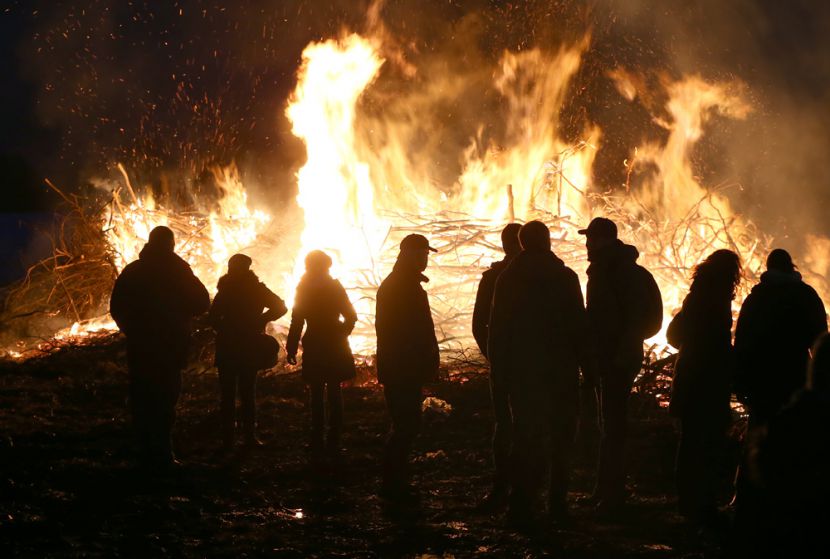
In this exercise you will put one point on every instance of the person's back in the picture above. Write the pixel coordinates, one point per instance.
(153, 302)
(537, 328)
(319, 304)
(155, 298)
(778, 323)
(539, 322)
(322, 301)
(239, 303)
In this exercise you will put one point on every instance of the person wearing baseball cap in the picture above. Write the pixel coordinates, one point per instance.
(614, 304)
(407, 357)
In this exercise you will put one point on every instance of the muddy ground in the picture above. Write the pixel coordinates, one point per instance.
(69, 488)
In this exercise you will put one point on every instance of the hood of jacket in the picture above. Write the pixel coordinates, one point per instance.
(776, 277)
(530, 263)
(612, 255)
(236, 280)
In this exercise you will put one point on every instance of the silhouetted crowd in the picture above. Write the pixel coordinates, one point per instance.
(558, 364)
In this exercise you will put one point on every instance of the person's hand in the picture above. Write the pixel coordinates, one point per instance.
(292, 359)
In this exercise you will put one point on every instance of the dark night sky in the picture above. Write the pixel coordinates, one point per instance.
(89, 83)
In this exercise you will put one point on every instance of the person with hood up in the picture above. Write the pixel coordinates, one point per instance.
(537, 334)
(779, 322)
(321, 304)
(153, 302)
(702, 383)
(243, 306)
(407, 357)
(614, 297)
(503, 424)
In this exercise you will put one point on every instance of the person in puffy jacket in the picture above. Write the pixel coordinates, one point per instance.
(323, 307)
(243, 306)
(503, 422)
(537, 337)
(407, 356)
(779, 321)
(702, 384)
(153, 302)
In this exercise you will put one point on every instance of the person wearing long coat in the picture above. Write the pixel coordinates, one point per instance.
(536, 344)
(702, 385)
(153, 302)
(407, 358)
(322, 306)
(242, 307)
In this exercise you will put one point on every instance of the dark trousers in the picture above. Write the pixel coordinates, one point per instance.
(699, 462)
(502, 438)
(153, 394)
(404, 404)
(323, 393)
(241, 381)
(615, 389)
(543, 436)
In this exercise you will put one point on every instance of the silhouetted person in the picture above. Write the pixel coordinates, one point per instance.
(790, 461)
(537, 329)
(320, 303)
(243, 306)
(407, 356)
(779, 322)
(153, 302)
(621, 307)
(498, 394)
(702, 385)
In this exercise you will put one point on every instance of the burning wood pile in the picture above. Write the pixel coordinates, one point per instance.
(360, 198)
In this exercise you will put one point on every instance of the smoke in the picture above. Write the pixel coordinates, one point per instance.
(172, 89)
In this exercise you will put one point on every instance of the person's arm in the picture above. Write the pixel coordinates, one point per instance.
(346, 310)
(817, 319)
(217, 311)
(121, 301)
(195, 297)
(576, 319)
(481, 312)
(745, 348)
(275, 306)
(292, 344)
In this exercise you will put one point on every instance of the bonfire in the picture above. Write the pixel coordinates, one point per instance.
(360, 194)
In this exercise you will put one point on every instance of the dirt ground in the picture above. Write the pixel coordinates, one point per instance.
(69, 488)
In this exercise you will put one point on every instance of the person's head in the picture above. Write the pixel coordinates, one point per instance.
(818, 373)
(534, 236)
(720, 271)
(600, 233)
(239, 264)
(415, 251)
(161, 238)
(510, 239)
(317, 263)
(779, 260)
